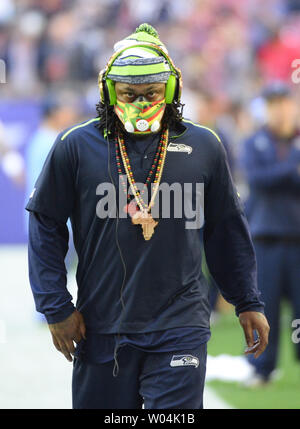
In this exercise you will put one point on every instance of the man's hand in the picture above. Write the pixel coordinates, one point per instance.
(67, 331)
(250, 321)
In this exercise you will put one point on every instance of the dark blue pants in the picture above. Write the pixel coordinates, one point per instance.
(278, 266)
(143, 377)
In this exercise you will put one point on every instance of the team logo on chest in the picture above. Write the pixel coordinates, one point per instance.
(179, 147)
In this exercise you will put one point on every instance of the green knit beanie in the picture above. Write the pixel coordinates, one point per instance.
(142, 64)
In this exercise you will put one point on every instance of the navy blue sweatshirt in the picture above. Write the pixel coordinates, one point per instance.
(164, 286)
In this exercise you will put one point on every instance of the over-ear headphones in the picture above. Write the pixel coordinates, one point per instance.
(107, 86)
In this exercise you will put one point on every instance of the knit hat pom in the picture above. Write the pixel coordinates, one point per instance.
(147, 28)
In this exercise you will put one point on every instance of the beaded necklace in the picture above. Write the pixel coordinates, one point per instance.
(137, 208)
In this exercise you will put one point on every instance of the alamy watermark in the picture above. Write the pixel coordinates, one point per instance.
(2, 71)
(296, 332)
(176, 200)
(296, 73)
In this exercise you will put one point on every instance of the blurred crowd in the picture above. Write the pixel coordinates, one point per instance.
(227, 49)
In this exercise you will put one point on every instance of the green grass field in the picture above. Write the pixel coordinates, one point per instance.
(284, 393)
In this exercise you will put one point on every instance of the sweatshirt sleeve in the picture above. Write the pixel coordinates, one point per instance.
(54, 191)
(47, 248)
(227, 243)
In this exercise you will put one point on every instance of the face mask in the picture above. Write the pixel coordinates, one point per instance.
(141, 117)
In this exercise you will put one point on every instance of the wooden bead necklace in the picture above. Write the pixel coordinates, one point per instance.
(137, 208)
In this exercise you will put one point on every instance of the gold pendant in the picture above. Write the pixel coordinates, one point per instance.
(147, 222)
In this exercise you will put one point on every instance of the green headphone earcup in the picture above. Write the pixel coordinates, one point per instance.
(111, 92)
(170, 89)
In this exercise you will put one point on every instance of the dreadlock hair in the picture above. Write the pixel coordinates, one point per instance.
(110, 122)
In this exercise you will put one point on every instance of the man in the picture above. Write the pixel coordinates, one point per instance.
(142, 315)
(271, 158)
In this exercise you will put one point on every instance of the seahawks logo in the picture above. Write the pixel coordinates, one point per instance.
(179, 147)
(184, 360)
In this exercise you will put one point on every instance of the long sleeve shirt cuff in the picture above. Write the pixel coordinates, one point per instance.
(249, 307)
(62, 314)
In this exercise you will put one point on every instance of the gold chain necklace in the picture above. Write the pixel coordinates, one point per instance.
(143, 217)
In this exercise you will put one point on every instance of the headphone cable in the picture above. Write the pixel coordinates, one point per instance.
(116, 366)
